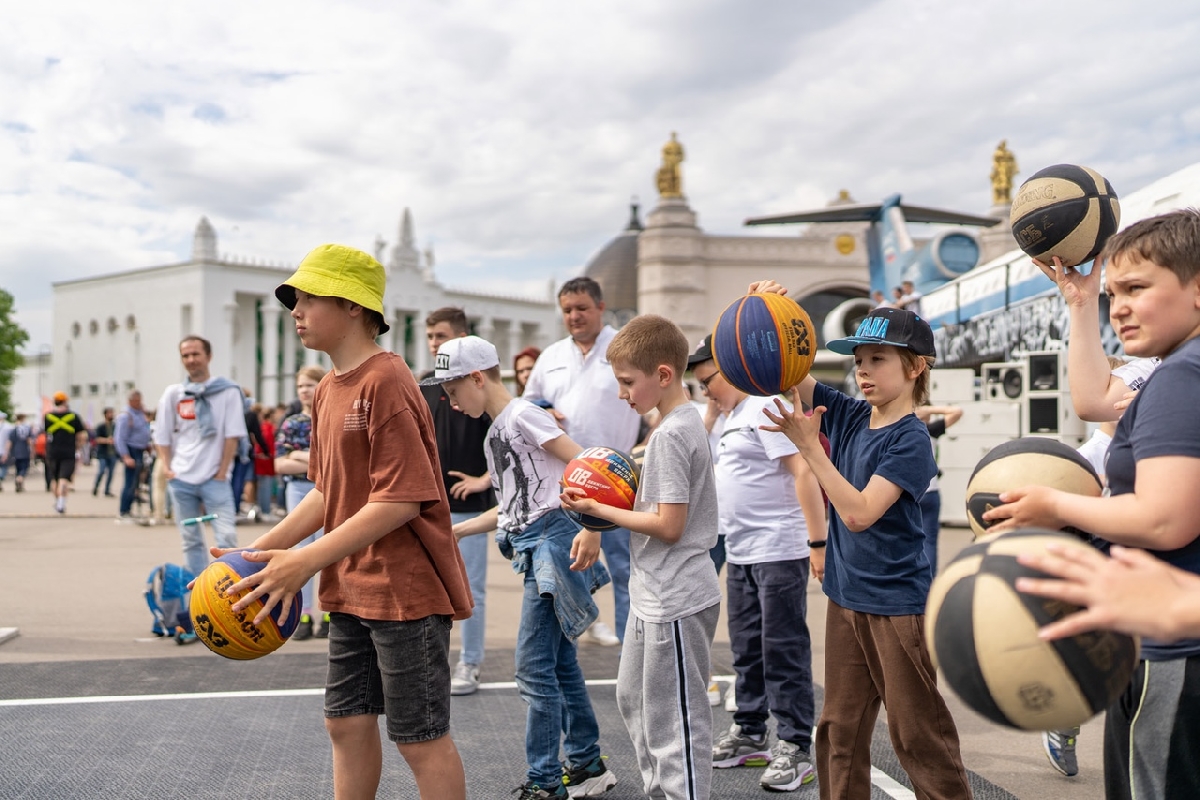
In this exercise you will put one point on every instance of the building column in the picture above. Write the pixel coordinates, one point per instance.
(288, 343)
(269, 392)
(515, 339)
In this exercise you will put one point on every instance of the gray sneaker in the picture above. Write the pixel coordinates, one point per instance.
(790, 767)
(736, 749)
(1060, 749)
(465, 679)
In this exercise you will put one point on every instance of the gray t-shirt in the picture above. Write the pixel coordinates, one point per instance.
(671, 581)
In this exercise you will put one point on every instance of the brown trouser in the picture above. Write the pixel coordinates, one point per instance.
(871, 659)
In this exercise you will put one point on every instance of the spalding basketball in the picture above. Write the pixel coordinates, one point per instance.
(983, 635)
(1065, 211)
(230, 634)
(1031, 461)
(605, 475)
(764, 344)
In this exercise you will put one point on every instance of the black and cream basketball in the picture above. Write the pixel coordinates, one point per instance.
(1066, 211)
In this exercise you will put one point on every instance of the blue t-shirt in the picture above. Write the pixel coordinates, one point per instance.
(1151, 427)
(883, 569)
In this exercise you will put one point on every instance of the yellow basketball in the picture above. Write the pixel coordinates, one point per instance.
(234, 634)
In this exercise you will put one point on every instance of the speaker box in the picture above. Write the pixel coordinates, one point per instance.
(1047, 372)
(1003, 381)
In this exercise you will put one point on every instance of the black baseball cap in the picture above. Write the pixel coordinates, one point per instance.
(897, 327)
(703, 352)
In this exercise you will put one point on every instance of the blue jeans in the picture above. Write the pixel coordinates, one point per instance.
(107, 467)
(292, 495)
(474, 551)
(615, 545)
(129, 490)
(240, 472)
(551, 684)
(772, 650)
(188, 499)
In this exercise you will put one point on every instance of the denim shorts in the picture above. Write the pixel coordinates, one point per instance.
(401, 669)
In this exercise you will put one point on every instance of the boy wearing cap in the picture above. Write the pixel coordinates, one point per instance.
(877, 573)
(391, 574)
(65, 433)
(527, 453)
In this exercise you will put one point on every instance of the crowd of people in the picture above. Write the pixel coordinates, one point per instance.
(395, 490)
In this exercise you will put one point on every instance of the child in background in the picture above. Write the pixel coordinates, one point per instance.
(526, 455)
(877, 574)
(674, 596)
(769, 501)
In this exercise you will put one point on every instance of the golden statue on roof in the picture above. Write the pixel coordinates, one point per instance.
(668, 178)
(1004, 167)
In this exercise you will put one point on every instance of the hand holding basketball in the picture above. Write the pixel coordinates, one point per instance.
(1132, 592)
(1027, 507)
(276, 584)
(1078, 289)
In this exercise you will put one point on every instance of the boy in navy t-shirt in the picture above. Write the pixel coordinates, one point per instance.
(877, 573)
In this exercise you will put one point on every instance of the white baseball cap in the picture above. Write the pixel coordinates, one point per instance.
(458, 358)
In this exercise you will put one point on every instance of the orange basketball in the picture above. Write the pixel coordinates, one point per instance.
(605, 475)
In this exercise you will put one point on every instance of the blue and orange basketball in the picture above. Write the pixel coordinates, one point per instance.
(605, 475)
(230, 634)
(764, 344)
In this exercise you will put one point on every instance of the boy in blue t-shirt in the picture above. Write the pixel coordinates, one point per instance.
(877, 573)
(526, 455)
(1152, 278)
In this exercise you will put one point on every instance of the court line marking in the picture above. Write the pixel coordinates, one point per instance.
(890, 786)
(878, 777)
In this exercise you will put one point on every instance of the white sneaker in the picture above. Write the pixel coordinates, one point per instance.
(465, 679)
(603, 635)
(714, 693)
(730, 700)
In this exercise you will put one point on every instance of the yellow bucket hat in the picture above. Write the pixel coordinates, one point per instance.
(334, 270)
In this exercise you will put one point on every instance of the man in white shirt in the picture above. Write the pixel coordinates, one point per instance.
(198, 426)
(574, 377)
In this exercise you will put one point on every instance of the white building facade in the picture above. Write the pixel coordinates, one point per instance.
(119, 331)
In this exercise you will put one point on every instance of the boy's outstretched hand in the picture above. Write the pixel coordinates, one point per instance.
(585, 549)
(766, 287)
(802, 429)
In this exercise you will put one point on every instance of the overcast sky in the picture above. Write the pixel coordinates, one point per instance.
(517, 131)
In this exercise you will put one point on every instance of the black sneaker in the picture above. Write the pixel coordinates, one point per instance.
(531, 791)
(323, 631)
(592, 780)
(305, 629)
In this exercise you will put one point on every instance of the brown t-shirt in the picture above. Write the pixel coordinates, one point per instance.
(373, 441)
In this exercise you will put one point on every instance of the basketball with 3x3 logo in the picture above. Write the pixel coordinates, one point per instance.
(605, 475)
(764, 344)
(233, 634)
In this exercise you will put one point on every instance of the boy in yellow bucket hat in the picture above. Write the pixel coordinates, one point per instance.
(391, 574)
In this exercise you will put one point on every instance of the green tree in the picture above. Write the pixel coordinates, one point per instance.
(12, 337)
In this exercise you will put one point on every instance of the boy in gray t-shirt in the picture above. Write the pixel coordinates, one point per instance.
(674, 597)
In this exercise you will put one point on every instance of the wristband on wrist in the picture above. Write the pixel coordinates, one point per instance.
(816, 545)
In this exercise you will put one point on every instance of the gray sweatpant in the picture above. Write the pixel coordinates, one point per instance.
(662, 693)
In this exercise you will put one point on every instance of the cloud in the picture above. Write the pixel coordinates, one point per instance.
(517, 133)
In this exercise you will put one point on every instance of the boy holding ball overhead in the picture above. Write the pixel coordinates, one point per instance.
(526, 455)
(1152, 278)
(674, 597)
(877, 573)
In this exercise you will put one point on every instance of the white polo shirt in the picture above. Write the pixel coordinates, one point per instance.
(584, 390)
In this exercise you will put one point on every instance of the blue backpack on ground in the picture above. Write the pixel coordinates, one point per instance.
(169, 601)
